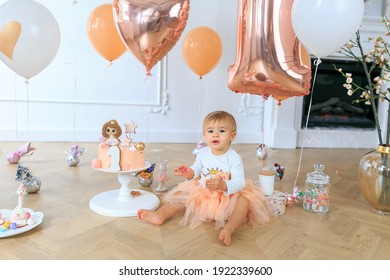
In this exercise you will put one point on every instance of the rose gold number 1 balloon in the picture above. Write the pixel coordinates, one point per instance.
(270, 61)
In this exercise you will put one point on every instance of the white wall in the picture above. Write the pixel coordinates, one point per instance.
(78, 91)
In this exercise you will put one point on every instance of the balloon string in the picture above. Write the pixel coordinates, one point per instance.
(200, 106)
(263, 122)
(74, 109)
(147, 85)
(16, 113)
(316, 62)
(75, 35)
(28, 110)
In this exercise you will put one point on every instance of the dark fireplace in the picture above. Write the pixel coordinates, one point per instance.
(331, 106)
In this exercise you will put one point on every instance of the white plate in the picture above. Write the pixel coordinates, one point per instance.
(37, 216)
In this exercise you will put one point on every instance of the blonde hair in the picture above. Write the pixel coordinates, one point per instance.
(217, 116)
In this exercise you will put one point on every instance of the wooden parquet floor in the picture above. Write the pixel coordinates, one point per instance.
(71, 231)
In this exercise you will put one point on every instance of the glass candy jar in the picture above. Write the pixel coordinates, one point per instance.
(316, 194)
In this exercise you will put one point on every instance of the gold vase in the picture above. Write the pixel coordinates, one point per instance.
(374, 179)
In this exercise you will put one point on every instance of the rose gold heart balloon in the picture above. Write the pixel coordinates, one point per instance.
(150, 29)
(270, 61)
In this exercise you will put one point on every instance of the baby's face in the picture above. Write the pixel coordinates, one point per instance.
(218, 136)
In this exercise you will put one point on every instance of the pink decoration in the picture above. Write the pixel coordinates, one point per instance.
(25, 149)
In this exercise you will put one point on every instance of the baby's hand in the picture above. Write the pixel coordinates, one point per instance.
(215, 184)
(184, 171)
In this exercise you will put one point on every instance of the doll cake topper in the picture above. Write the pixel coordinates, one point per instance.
(111, 130)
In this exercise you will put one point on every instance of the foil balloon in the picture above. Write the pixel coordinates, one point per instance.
(270, 60)
(150, 29)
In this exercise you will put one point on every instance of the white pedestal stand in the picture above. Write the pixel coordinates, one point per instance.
(120, 203)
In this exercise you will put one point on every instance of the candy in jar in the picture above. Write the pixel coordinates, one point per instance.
(316, 194)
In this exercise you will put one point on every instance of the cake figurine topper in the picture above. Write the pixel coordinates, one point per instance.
(24, 150)
(30, 182)
(73, 155)
(111, 131)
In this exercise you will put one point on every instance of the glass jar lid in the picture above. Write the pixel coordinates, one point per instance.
(318, 176)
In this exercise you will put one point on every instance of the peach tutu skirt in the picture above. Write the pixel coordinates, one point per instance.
(203, 205)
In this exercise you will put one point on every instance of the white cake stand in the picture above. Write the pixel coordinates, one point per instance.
(120, 203)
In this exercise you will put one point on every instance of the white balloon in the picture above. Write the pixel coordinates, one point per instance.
(39, 38)
(324, 26)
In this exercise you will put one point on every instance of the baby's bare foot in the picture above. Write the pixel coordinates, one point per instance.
(225, 235)
(150, 217)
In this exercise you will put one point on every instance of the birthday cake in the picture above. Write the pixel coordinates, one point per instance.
(119, 154)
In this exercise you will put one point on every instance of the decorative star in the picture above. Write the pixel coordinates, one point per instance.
(125, 142)
(130, 127)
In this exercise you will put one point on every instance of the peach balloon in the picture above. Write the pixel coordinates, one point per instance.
(270, 60)
(103, 34)
(202, 50)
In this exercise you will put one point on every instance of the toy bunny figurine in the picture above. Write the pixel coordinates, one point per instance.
(162, 176)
